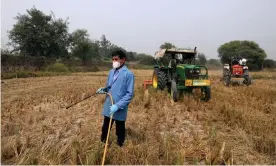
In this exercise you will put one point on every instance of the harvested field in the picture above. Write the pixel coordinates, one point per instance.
(237, 126)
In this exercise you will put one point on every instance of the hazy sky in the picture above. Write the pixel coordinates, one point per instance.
(142, 25)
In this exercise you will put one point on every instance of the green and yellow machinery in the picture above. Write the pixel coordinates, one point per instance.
(175, 70)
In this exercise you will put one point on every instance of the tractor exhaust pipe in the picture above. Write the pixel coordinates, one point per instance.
(195, 56)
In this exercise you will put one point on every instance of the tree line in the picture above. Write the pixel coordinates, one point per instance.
(43, 36)
(250, 50)
(37, 34)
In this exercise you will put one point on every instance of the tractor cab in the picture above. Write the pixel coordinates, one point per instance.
(174, 55)
(181, 63)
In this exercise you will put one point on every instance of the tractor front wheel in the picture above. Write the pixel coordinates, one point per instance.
(205, 93)
(248, 80)
(159, 79)
(174, 91)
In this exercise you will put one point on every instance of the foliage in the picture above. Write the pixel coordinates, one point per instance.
(146, 59)
(246, 49)
(105, 46)
(27, 74)
(269, 63)
(5, 52)
(42, 36)
(57, 67)
(38, 34)
(46, 38)
(167, 45)
(202, 59)
(83, 47)
(131, 56)
(10, 61)
(214, 62)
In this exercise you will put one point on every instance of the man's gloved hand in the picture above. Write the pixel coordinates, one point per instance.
(101, 90)
(113, 109)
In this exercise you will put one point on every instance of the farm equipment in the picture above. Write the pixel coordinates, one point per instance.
(236, 72)
(174, 70)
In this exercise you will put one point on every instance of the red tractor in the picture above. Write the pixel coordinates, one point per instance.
(236, 72)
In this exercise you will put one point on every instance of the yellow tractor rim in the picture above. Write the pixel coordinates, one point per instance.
(154, 81)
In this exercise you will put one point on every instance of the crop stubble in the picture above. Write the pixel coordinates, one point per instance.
(236, 126)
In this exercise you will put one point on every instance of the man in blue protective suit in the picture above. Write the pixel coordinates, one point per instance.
(120, 84)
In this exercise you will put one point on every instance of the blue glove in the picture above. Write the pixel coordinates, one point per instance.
(101, 91)
(113, 109)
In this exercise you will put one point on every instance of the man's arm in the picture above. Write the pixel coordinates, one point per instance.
(130, 92)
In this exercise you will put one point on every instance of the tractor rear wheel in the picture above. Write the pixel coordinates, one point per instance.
(247, 78)
(159, 79)
(226, 77)
(205, 93)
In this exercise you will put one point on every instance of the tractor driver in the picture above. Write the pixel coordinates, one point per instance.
(242, 62)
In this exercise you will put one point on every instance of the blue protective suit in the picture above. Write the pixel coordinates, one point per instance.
(122, 91)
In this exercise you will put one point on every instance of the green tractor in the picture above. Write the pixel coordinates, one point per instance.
(175, 69)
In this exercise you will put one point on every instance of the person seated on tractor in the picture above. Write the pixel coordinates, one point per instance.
(235, 62)
(179, 58)
(242, 62)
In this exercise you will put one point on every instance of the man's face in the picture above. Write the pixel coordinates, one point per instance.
(117, 59)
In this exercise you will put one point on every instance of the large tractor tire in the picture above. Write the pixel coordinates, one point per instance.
(205, 94)
(226, 77)
(159, 79)
(174, 91)
(247, 78)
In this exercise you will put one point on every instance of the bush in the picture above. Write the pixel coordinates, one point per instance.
(27, 74)
(85, 69)
(18, 74)
(57, 67)
(147, 60)
(93, 68)
(269, 63)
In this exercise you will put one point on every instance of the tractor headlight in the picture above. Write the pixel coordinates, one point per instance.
(191, 71)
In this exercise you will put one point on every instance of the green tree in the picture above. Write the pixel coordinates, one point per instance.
(38, 34)
(131, 56)
(245, 49)
(145, 59)
(215, 62)
(5, 51)
(269, 63)
(105, 46)
(167, 45)
(82, 47)
(202, 59)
